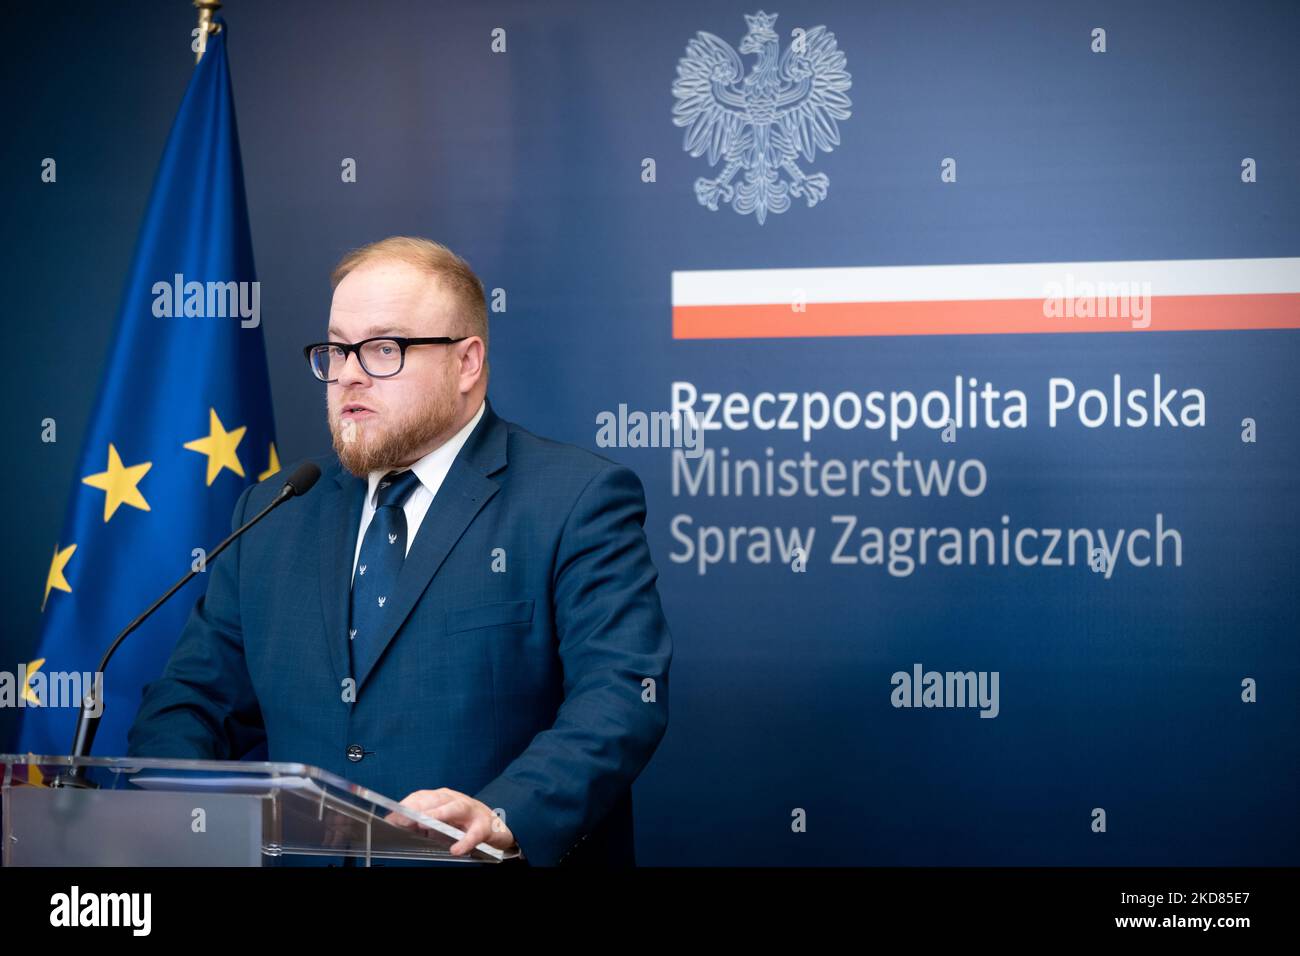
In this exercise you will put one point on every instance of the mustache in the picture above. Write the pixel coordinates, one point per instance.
(337, 405)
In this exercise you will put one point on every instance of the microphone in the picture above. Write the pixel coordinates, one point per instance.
(299, 483)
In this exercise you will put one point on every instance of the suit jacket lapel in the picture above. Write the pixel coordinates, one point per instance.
(341, 516)
(464, 492)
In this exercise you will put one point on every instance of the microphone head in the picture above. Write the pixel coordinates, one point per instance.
(302, 479)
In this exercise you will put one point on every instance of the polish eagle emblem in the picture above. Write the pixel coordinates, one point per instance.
(788, 105)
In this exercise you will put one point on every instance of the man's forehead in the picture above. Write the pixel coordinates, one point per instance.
(388, 299)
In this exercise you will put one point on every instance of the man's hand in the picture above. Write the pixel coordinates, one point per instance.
(476, 819)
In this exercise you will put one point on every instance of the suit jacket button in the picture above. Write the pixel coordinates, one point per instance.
(355, 753)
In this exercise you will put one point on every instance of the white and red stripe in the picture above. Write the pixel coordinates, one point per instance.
(1002, 298)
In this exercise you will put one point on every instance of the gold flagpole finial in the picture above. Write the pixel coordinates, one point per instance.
(206, 8)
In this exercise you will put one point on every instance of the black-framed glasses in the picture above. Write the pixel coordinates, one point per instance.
(381, 357)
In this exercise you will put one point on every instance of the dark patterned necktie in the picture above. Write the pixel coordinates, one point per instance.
(383, 550)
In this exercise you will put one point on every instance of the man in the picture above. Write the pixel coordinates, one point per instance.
(514, 658)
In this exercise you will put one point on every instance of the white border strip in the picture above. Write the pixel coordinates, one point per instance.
(981, 282)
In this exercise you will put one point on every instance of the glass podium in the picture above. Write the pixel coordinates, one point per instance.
(137, 811)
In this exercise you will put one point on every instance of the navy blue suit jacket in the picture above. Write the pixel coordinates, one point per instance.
(523, 687)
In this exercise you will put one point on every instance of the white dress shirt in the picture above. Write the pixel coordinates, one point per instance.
(431, 470)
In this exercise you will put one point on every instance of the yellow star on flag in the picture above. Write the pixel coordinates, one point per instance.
(273, 467)
(119, 484)
(219, 446)
(29, 695)
(55, 579)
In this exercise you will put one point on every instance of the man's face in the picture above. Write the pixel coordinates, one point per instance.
(388, 423)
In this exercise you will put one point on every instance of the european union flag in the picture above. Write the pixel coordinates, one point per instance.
(183, 423)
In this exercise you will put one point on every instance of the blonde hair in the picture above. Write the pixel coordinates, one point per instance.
(434, 259)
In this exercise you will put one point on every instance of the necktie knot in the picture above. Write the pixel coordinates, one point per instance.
(395, 487)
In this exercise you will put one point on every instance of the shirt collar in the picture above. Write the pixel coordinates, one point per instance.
(433, 467)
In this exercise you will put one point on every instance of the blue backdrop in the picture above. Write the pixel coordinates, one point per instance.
(1120, 693)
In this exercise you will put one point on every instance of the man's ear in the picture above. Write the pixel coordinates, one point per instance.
(473, 363)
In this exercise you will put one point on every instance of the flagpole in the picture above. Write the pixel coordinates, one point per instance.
(206, 8)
